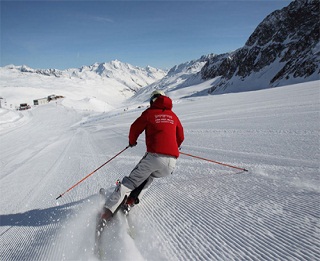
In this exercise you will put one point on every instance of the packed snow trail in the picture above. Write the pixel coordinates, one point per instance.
(201, 212)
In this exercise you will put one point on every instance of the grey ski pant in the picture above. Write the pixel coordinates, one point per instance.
(151, 166)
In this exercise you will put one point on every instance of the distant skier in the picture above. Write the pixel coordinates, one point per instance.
(164, 135)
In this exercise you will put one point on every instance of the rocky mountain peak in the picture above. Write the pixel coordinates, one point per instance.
(284, 46)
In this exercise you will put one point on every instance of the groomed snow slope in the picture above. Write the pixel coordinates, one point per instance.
(203, 211)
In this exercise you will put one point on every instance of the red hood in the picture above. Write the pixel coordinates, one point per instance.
(162, 102)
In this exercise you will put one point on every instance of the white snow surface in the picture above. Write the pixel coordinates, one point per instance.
(203, 211)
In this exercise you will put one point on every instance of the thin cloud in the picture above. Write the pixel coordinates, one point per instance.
(94, 18)
(100, 19)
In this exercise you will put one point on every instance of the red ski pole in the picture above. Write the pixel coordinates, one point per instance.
(92, 173)
(213, 161)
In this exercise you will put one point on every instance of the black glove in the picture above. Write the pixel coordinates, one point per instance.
(132, 145)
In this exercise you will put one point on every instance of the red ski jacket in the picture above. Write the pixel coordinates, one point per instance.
(163, 129)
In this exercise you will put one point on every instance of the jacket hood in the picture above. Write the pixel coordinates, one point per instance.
(162, 102)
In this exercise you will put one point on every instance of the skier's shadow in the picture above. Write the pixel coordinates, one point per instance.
(42, 217)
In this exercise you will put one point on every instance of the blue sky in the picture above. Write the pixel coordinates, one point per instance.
(70, 34)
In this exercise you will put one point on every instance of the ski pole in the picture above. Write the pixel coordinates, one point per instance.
(217, 162)
(92, 173)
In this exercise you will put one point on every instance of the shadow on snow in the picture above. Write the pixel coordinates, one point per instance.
(42, 217)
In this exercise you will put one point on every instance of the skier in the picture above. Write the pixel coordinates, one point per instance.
(164, 135)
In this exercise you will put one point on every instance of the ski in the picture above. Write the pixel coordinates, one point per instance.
(100, 226)
(105, 216)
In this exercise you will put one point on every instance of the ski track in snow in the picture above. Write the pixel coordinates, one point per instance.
(203, 211)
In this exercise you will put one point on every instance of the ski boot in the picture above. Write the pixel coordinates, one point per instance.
(128, 204)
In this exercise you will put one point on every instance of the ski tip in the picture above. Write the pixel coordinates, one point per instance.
(58, 197)
(245, 170)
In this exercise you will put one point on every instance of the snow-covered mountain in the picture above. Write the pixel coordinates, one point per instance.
(133, 77)
(104, 84)
(283, 49)
(180, 76)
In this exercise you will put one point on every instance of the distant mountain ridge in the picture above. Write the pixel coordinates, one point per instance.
(126, 74)
(178, 77)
